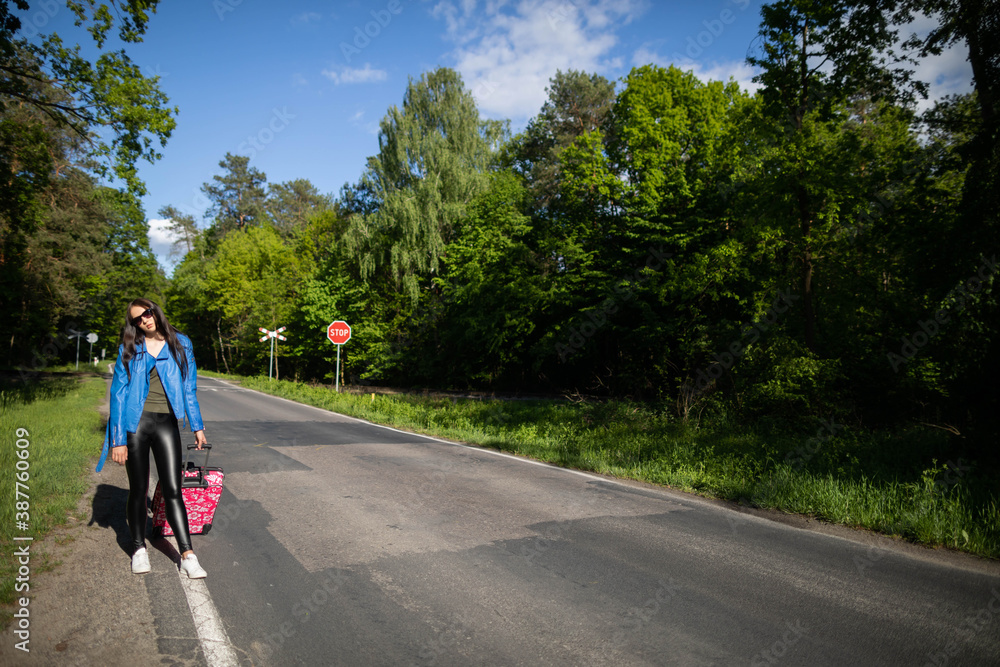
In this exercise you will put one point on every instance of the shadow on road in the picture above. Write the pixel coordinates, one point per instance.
(108, 511)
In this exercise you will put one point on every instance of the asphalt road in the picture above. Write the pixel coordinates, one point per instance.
(343, 543)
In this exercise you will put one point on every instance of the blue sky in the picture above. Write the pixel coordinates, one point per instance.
(300, 86)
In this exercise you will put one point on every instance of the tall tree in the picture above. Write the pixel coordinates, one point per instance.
(974, 22)
(492, 293)
(133, 271)
(672, 142)
(433, 155)
(291, 204)
(577, 103)
(633, 204)
(813, 55)
(66, 122)
(238, 196)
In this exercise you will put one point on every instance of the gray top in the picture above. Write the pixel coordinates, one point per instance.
(156, 401)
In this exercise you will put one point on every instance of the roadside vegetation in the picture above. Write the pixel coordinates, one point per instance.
(57, 417)
(894, 484)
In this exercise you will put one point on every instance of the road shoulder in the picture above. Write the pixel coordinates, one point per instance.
(88, 609)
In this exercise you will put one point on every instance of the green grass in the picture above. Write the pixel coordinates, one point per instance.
(57, 417)
(899, 484)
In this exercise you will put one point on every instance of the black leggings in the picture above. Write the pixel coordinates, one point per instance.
(157, 432)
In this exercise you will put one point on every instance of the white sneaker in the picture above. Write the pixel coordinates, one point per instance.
(140, 562)
(192, 569)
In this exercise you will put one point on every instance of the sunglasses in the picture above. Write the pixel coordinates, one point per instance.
(146, 313)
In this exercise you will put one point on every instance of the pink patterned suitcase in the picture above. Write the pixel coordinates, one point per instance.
(202, 488)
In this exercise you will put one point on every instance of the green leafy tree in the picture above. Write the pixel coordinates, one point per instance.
(291, 204)
(577, 103)
(89, 258)
(813, 55)
(31, 148)
(238, 197)
(972, 24)
(434, 153)
(332, 289)
(134, 270)
(191, 307)
(629, 312)
(66, 123)
(79, 254)
(121, 113)
(252, 282)
(672, 145)
(332, 294)
(492, 292)
(857, 167)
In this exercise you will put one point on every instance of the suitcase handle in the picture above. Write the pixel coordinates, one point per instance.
(208, 450)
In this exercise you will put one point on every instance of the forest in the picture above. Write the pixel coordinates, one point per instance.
(815, 252)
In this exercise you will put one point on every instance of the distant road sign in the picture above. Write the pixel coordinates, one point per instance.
(91, 338)
(338, 332)
(272, 334)
(275, 336)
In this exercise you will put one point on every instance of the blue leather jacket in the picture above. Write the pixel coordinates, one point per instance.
(129, 396)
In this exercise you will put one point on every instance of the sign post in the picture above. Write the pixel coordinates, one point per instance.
(77, 335)
(339, 332)
(91, 338)
(274, 336)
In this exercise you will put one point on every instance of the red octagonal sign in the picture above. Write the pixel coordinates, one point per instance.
(339, 332)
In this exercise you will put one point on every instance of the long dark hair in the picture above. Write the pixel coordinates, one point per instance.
(131, 332)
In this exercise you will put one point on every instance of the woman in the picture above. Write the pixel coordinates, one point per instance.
(155, 381)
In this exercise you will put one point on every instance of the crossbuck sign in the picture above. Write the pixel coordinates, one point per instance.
(274, 336)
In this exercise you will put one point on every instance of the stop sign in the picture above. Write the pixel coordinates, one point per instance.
(339, 332)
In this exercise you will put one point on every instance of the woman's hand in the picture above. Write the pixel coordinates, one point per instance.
(119, 454)
(200, 439)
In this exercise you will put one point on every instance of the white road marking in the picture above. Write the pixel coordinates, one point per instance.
(212, 635)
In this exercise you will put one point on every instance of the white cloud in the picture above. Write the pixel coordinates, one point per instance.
(159, 232)
(507, 52)
(948, 74)
(722, 71)
(160, 240)
(712, 71)
(354, 75)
